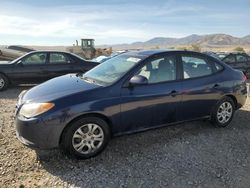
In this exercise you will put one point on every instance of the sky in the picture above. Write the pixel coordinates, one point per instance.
(61, 22)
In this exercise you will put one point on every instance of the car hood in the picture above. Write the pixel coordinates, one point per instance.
(57, 88)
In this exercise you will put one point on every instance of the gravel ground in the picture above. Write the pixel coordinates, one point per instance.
(193, 154)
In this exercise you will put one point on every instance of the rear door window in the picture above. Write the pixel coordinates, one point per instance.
(241, 58)
(194, 67)
(58, 58)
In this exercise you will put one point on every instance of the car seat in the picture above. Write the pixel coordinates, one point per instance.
(164, 72)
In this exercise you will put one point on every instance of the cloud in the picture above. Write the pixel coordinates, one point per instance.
(71, 21)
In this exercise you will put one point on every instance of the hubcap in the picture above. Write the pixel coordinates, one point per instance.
(224, 112)
(2, 82)
(88, 138)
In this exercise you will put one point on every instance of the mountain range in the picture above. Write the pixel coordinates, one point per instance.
(211, 40)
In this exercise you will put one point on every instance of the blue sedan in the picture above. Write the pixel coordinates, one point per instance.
(132, 92)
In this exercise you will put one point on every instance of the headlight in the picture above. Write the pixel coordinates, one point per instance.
(20, 97)
(33, 109)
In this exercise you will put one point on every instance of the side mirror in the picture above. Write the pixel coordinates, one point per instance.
(138, 80)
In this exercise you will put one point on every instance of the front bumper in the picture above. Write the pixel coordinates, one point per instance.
(42, 132)
(36, 133)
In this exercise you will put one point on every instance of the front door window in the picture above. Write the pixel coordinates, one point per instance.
(159, 70)
(37, 58)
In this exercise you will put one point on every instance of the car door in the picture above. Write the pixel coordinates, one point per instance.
(30, 69)
(248, 66)
(231, 61)
(155, 103)
(200, 86)
(60, 64)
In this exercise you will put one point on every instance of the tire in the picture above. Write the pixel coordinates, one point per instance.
(82, 143)
(223, 112)
(4, 82)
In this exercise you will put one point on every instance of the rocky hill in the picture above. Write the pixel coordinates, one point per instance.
(202, 40)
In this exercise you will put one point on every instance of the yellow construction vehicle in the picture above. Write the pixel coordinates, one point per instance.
(87, 49)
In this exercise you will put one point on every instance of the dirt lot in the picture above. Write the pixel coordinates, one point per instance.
(192, 154)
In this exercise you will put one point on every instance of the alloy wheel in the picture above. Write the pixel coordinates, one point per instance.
(224, 112)
(88, 138)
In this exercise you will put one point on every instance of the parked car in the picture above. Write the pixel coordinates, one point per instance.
(132, 92)
(240, 61)
(221, 55)
(103, 58)
(213, 54)
(39, 66)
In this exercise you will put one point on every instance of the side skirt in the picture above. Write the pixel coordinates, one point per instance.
(159, 126)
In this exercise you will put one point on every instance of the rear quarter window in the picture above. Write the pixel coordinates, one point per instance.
(218, 67)
(241, 58)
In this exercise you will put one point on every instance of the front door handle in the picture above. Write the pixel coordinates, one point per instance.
(173, 93)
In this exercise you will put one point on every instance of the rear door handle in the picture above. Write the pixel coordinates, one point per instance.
(173, 93)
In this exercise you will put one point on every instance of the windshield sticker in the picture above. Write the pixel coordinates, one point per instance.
(133, 59)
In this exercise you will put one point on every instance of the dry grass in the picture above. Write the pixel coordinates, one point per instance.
(225, 48)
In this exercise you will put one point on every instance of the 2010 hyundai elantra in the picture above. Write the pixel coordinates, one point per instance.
(132, 92)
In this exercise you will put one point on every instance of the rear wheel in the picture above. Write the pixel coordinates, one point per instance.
(86, 137)
(223, 112)
(4, 82)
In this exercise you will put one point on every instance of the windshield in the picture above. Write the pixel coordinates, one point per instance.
(19, 58)
(112, 69)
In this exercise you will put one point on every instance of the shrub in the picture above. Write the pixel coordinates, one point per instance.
(195, 48)
(181, 48)
(239, 49)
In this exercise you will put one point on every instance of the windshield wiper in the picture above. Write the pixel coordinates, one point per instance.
(90, 80)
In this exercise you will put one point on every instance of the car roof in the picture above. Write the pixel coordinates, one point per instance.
(153, 52)
(238, 53)
(46, 51)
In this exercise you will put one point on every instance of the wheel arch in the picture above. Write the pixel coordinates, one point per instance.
(227, 95)
(94, 114)
(5, 75)
(234, 100)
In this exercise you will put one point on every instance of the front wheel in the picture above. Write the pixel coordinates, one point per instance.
(4, 82)
(223, 112)
(86, 137)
